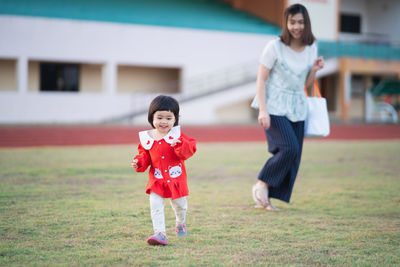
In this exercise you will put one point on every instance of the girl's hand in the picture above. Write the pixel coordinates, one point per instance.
(175, 142)
(264, 120)
(134, 164)
(318, 64)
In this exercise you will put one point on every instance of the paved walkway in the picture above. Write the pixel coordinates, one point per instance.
(29, 136)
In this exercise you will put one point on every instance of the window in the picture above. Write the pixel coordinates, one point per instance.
(59, 77)
(357, 86)
(350, 23)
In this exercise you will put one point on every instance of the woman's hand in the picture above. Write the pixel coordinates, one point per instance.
(318, 64)
(264, 120)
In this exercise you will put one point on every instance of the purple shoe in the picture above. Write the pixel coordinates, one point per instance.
(157, 239)
(181, 230)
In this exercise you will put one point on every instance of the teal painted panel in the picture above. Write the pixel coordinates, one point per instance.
(199, 14)
(359, 50)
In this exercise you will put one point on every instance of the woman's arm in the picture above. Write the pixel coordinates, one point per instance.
(262, 78)
(318, 64)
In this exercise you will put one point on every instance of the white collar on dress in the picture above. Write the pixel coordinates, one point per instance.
(147, 142)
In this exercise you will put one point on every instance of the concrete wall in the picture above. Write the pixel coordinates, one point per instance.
(90, 78)
(378, 19)
(33, 76)
(383, 18)
(146, 79)
(101, 49)
(58, 107)
(195, 51)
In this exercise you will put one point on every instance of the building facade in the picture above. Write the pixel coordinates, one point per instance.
(103, 61)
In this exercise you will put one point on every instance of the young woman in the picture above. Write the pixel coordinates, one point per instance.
(287, 64)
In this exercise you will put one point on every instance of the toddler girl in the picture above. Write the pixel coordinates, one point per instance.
(165, 149)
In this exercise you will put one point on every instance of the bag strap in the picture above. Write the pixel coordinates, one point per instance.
(316, 92)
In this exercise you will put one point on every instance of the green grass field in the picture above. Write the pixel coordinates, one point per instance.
(79, 206)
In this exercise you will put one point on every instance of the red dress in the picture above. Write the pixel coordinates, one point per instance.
(167, 175)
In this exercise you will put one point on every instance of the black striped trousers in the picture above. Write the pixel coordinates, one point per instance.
(285, 142)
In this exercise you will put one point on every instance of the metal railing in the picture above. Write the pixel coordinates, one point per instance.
(194, 87)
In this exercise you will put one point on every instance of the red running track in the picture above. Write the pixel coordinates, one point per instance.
(30, 136)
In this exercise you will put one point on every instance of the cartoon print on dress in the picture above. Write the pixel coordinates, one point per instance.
(175, 171)
(157, 173)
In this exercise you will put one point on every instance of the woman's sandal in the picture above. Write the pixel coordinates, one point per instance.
(271, 207)
(260, 196)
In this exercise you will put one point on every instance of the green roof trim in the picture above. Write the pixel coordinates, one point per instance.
(198, 14)
(195, 14)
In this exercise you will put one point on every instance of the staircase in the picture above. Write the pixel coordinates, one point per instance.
(198, 87)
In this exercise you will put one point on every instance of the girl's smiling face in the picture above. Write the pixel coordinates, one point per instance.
(295, 25)
(163, 121)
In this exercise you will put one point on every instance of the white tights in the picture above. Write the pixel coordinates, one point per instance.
(179, 206)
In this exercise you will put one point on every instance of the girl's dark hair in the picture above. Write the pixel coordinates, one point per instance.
(307, 37)
(163, 103)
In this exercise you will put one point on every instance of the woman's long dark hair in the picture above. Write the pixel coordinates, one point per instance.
(307, 36)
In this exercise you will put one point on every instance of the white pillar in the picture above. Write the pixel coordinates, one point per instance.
(347, 87)
(22, 75)
(110, 78)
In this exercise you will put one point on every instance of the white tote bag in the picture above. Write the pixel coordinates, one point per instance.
(317, 121)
